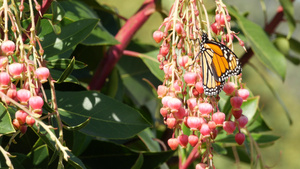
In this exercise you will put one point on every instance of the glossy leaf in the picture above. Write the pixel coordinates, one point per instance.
(56, 74)
(274, 92)
(75, 162)
(63, 64)
(44, 136)
(151, 61)
(80, 142)
(250, 107)
(76, 10)
(243, 156)
(294, 44)
(147, 137)
(111, 155)
(139, 162)
(264, 138)
(218, 148)
(109, 118)
(39, 157)
(69, 37)
(67, 71)
(288, 10)
(57, 11)
(133, 76)
(261, 45)
(6, 126)
(79, 126)
(258, 124)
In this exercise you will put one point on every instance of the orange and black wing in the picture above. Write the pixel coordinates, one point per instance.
(218, 63)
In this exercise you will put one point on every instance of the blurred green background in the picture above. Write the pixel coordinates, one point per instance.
(285, 152)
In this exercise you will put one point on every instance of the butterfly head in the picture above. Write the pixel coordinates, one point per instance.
(204, 37)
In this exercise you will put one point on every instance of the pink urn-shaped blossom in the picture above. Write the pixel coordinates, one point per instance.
(21, 115)
(205, 108)
(192, 103)
(158, 36)
(194, 123)
(229, 88)
(236, 102)
(36, 103)
(193, 140)
(174, 104)
(183, 140)
(161, 91)
(205, 130)
(23, 96)
(243, 120)
(183, 61)
(15, 69)
(239, 138)
(30, 121)
(229, 126)
(218, 118)
(42, 74)
(4, 80)
(243, 93)
(173, 143)
(190, 78)
(8, 47)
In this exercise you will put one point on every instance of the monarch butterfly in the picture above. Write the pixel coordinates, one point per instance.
(218, 63)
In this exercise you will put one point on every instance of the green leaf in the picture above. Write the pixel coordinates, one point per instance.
(151, 61)
(57, 11)
(39, 157)
(56, 74)
(79, 126)
(294, 44)
(75, 161)
(141, 93)
(243, 156)
(274, 92)
(288, 11)
(261, 45)
(258, 124)
(250, 107)
(264, 138)
(6, 126)
(56, 44)
(63, 64)
(148, 138)
(76, 10)
(139, 162)
(111, 155)
(218, 148)
(109, 118)
(67, 71)
(44, 136)
(80, 142)
(47, 107)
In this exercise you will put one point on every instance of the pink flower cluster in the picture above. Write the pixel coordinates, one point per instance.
(182, 93)
(21, 81)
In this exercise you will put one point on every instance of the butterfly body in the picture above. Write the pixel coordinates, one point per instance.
(218, 63)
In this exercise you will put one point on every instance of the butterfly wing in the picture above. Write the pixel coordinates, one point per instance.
(218, 63)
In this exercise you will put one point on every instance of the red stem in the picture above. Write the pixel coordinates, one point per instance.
(192, 156)
(45, 6)
(124, 36)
